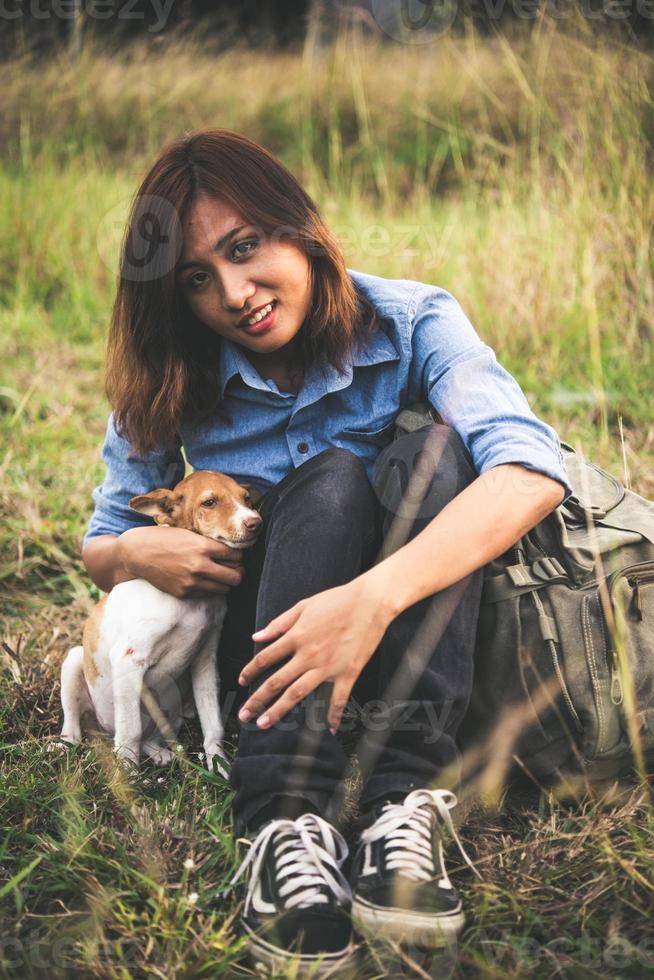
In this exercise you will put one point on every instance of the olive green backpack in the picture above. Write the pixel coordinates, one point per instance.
(565, 638)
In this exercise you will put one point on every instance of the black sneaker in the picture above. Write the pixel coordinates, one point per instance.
(402, 890)
(297, 905)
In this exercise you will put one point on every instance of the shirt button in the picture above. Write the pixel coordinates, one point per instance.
(303, 447)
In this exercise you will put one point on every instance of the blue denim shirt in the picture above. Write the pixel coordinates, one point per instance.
(427, 350)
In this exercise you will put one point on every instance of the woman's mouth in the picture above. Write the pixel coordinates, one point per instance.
(265, 322)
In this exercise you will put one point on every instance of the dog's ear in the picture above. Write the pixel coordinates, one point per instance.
(160, 504)
(255, 495)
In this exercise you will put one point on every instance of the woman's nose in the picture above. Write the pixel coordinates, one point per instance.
(237, 290)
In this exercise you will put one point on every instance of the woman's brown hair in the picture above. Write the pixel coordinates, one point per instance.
(162, 367)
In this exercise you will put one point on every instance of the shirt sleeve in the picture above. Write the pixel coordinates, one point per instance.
(128, 475)
(461, 377)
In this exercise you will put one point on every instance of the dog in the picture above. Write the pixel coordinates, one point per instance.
(140, 644)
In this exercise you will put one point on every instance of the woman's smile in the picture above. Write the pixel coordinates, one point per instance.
(261, 320)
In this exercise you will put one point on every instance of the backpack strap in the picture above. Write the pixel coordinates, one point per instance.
(518, 579)
(642, 524)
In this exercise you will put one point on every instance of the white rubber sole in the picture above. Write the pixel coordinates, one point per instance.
(405, 925)
(279, 961)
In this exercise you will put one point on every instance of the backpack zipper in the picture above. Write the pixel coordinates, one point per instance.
(635, 597)
(642, 571)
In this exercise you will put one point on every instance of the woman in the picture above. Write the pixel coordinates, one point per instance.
(239, 335)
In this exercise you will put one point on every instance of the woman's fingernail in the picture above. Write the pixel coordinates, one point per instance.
(264, 721)
(244, 714)
(332, 731)
(242, 680)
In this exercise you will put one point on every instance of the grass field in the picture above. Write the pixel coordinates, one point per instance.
(518, 176)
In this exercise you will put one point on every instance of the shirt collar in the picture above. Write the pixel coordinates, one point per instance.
(376, 350)
(233, 361)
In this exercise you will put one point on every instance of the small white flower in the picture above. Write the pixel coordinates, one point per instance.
(192, 898)
(189, 864)
(160, 779)
(179, 748)
(146, 782)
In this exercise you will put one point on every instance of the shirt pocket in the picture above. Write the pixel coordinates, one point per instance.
(378, 431)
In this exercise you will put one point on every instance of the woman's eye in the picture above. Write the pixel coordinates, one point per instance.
(209, 503)
(252, 242)
(193, 282)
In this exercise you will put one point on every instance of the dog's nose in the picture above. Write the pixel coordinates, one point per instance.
(252, 523)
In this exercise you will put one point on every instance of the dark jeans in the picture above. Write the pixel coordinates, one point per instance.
(323, 525)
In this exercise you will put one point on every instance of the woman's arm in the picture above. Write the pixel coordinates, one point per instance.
(332, 635)
(177, 561)
(480, 523)
(102, 562)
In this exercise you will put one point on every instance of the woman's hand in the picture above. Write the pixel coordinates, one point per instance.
(330, 637)
(180, 562)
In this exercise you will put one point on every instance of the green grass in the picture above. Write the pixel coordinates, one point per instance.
(515, 176)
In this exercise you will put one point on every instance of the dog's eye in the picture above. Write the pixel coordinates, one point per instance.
(247, 497)
(211, 502)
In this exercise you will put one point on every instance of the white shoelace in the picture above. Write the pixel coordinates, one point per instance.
(407, 829)
(309, 853)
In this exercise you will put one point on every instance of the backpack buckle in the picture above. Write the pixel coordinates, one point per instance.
(548, 568)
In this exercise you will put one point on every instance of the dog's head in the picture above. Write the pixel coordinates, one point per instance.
(208, 503)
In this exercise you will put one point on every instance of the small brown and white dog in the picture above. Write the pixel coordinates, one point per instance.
(140, 644)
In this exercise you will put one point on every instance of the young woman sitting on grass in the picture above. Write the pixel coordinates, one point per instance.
(366, 578)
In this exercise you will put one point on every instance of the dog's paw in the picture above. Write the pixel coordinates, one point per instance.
(160, 754)
(216, 759)
(127, 756)
(66, 739)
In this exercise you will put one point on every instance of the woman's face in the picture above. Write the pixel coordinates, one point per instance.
(228, 270)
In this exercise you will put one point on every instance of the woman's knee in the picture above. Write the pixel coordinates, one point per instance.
(421, 471)
(335, 481)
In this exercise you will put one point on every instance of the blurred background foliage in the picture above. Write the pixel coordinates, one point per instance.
(287, 24)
